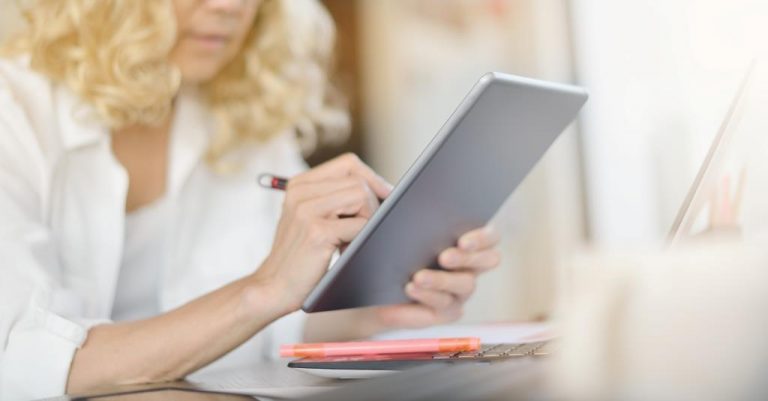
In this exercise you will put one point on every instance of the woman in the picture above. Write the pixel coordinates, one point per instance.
(135, 246)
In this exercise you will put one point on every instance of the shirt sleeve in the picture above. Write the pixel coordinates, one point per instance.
(37, 341)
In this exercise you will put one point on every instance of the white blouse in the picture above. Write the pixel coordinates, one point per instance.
(62, 222)
(137, 291)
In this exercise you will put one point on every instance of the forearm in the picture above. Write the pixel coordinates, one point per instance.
(345, 325)
(172, 345)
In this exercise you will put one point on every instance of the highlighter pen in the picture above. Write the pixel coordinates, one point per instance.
(320, 350)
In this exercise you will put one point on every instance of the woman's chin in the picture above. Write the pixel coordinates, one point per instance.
(198, 72)
(196, 78)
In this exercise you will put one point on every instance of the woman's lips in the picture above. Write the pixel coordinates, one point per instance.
(209, 41)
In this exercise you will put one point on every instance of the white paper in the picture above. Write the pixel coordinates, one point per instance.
(489, 333)
(274, 381)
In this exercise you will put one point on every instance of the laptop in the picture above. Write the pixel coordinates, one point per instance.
(690, 220)
(698, 195)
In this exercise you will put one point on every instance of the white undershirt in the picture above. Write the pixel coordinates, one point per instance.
(138, 283)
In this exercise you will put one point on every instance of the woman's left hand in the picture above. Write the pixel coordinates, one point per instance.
(440, 294)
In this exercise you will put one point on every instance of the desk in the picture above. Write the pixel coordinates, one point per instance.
(523, 378)
(275, 379)
(271, 379)
(266, 379)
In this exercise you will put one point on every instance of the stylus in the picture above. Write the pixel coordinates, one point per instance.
(272, 181)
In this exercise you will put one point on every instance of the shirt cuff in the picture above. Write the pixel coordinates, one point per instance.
(38, 356)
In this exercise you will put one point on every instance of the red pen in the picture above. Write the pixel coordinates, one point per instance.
(427, 345)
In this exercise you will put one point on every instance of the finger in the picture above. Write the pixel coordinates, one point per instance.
(482, 238)
(460, 284)
(437, 300)
(346, 165)
(356, 201)
(481, 261)
(344, 230)
(297, 191)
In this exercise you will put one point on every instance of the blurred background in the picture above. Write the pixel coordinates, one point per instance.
(661, 74)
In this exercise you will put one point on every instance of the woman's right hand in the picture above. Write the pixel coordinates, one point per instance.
(324, 209)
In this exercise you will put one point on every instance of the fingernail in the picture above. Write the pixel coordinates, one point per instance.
(468, 244)
(424, 280)
(387, 186)
(450, 259)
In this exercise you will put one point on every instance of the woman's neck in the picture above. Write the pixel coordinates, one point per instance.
(143, 152)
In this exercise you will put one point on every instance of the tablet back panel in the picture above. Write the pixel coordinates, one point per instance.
(482, 153)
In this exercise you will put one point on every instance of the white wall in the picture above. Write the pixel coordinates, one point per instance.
(661, 74)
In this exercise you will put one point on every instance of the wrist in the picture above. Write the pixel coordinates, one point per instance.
(264, 294)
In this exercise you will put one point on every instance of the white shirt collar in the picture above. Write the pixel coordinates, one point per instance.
(78, 123)
(191, 131)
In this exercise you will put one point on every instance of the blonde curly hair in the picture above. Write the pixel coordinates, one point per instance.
(115, 55)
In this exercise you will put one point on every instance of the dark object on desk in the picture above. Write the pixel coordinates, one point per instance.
(489, 353)
(477, 159)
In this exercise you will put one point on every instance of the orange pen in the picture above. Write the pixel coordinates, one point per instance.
(433, 345)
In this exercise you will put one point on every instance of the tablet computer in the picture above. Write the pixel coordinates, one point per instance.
(477, 159)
